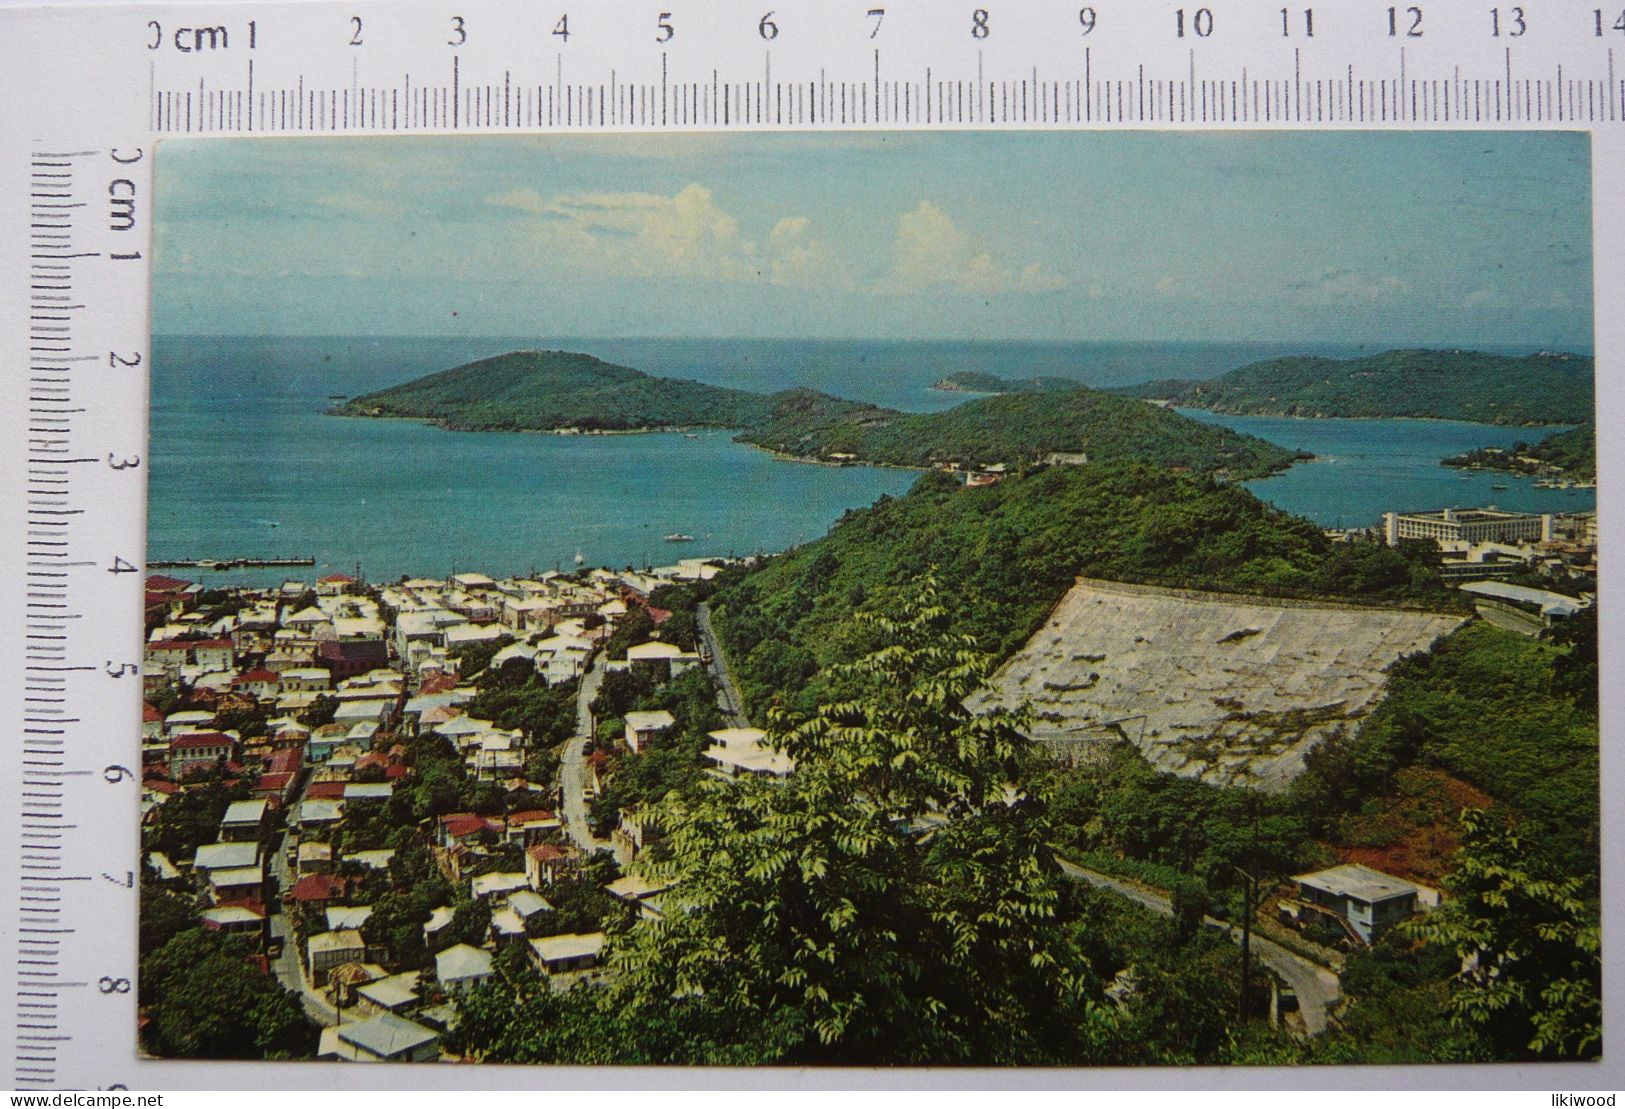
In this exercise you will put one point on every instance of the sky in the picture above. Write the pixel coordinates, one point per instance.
(1427, 238)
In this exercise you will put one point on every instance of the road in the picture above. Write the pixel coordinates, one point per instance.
(728, 699)
(287, 966)
(573, 776)
(1318, 989)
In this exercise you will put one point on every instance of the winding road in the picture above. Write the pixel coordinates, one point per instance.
(1318, 989)
(573, 776)
(728, 698)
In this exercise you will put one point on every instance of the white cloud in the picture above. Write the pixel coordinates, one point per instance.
(932, 251)
(685, 235)
(1345, 285)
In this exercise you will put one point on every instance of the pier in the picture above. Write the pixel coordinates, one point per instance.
(227, 563)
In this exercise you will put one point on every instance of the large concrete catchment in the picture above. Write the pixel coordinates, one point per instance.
(1228, 688)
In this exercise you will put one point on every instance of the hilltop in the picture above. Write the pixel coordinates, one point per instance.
(1539, 388)
(563, 391)
(1016, 428)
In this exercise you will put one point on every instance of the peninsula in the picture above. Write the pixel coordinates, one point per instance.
(560, 391)
(1542, 388)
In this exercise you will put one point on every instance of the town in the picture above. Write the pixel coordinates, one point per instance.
(387, 790)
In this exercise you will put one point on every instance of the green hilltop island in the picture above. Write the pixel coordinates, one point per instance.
(569, 393)
(1540, 388)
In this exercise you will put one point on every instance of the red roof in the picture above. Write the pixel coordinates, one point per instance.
(372, 758)
(224, 643)
(658, 615)
(336, 579)
(159, 786)
(285, 761)
(460, 824)
(200, 739)
(436, 683)
(315, 887)
(261, 675)
(277, 782)
(325, 791)
(395, 772)
(171, 645)
(530, 815)
(150, 715)
(161, 583)
(547, 852)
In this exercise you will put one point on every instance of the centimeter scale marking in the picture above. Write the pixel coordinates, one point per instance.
(50, 462)
(515, 101)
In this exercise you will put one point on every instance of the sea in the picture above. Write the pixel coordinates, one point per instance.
(245, 462)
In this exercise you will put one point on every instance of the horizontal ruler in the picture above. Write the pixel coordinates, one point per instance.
(332, 68)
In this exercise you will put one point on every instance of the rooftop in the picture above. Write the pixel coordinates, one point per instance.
(1358, 881)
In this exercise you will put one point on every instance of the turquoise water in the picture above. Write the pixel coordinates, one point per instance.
(245, 464)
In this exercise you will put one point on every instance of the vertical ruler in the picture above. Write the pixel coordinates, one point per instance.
(77, 873)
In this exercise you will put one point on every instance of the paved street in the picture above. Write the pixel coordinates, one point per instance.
(573, 776)
(1317, 988)
(728, 699)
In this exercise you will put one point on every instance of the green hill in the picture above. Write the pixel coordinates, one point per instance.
(553, 390)
(1570, 454)
(1017, 428)
(1432, 384)
(974, 381)
(557, 391)
(1004, 554)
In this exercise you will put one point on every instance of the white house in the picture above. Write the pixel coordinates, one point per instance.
(462, 967)
(643, 728)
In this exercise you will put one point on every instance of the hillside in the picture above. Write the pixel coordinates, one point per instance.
(558, 390)
(973, 381)
(1570, 455)
(551, 390)
(1005, 554)
(1430, 384)
(1015, 428)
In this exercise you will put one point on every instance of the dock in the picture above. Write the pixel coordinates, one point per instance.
(227, 563)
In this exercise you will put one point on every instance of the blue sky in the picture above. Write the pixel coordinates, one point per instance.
(1390, 238)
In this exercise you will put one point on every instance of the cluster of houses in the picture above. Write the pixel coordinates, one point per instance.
(304, 698)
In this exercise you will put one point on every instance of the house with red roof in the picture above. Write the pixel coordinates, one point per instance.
(261, 683)
(315, 891)
(196, 750)
(528, 828)
(152, 722)
(334, 585)
(325, 791)
(461, 828)
(546, 863)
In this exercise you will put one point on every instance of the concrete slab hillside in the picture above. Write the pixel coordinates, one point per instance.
(1227, 688)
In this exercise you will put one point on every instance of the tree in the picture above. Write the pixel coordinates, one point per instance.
(1531, 956)
(206, 1002)
(892, 901)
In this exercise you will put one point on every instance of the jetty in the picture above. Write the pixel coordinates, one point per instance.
(228, 563)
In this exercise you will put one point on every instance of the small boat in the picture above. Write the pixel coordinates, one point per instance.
(580, 558)
(679, 537)
(1498, 487)
(689, 435)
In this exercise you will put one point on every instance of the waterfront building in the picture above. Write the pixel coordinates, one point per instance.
(1467, 525)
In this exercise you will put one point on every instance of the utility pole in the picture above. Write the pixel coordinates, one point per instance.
(1249, 898)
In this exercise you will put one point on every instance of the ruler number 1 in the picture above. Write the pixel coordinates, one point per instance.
(1617, 25)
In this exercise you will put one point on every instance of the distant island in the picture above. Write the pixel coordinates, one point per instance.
(566, 392)
(1543, 388)
(1567, 456)
(975, 381)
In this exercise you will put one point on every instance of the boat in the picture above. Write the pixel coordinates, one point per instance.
(689, 435)
(580, 558)
(679, 537)
(1498, 487)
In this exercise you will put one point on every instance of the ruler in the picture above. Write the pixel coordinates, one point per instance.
(89, 92)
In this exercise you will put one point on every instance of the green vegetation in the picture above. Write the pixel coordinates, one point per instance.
(1005, 554)
(893, 901)
(553, 390)
(1017, 428)
(1496, 710)
(556, 390)
(974, 381)
(206, 1001)
(1570, 454)
(1431, 384)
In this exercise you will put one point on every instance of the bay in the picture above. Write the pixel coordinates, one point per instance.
(245, 462)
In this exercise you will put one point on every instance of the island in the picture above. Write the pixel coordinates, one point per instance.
(1541, 388)
(567, 392)
(976, 381)
(1563, 458)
